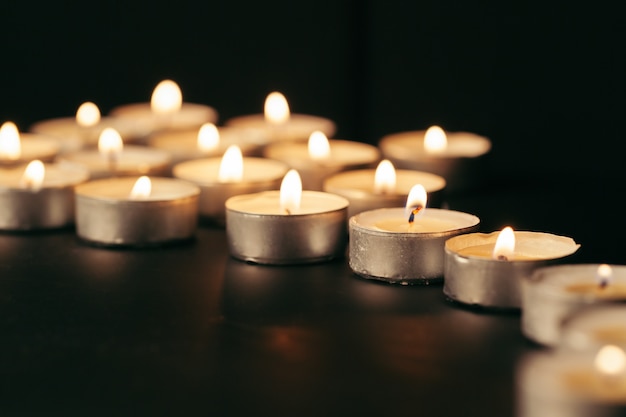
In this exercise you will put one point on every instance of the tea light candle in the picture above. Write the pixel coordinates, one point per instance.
(590, 328)
(208, 141)
(38, 196)
(551, 294)
(227, 176)
(389, 245)
(20, 148)
(278, 124)
(289, 226)
(166, 111)
(319, 157)
(131, 211)
(486, 270)
(83, 130)
(113, 158)
(453, 155)
(559, 384)
(369, 189)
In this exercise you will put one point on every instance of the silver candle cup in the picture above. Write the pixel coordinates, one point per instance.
(481, 281)
(105, 215)
(403, 257)
(257, 232)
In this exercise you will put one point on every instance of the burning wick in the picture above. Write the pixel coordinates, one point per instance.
(414, 213)
(604, 275)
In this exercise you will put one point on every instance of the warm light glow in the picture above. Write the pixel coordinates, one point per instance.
(319, 147)
(276, 108)
(141, 189)
(231, 166)
(208, 137)
(291, 192)
(88, 114)
(166, 98)
(435, 140)
(110, 142)
(604, 275)
(33, 175)
(385, 178)
(610, 360)
(417, 197)
(505, 244)
(10, 147)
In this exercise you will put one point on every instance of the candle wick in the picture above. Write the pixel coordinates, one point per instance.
(112, 157)
(502, 258)
(413, 213)
(603, 283)
(288, 211)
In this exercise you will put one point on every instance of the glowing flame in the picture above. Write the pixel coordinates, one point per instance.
(505, 244)
(319, 147)
(87, 114)
(385, 178)
(435, 140)
(231, 166)
(110, 142)
(166, 98)
(10, 146)
(610, 360)
(276, 108)
(208, 137)
(291, 192)
(33, 175)
(141, 189)
(604, 275)
(416, 201)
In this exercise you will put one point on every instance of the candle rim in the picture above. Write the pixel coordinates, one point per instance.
(342, 203)
(551, 278)
(432, 183)
(89, 190)
(178, 170)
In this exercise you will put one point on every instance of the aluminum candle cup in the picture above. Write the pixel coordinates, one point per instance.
(591, 328)
(383, 246)
(551, 294)
(298, 128)
(472, 276)
(259, 174)
(130, 161)
(344, 155)
(358, 187)
(106, 214)
(48, 207)
(258, 231)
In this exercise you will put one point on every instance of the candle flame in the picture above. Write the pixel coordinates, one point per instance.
(385, 178)
(505, 244)
(604, 275)
(10, 146)
(208, 137)
(435, 140)
(110, 142)
(610, 360)
(142, 188)
(166, 98)
(33, 175)
(291, 192)
(231, 166)
(416, 201)
(319, 147)
(87, 114)
(276, 108)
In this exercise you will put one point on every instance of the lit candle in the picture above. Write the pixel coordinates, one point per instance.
(220, 178)
(385, 186)
(405, 245)
(277, 123)
(208, 141)
(290, 226)
(553, 293)
(319, 157)
(166, 111)
(131, 211)
(453, 155)
(38, 196)
(83, 130)
(113, 158)
(592, 327)
(485, 270)
(20, 148)
(567, 384)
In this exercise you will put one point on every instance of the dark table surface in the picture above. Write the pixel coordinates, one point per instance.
(187, 330)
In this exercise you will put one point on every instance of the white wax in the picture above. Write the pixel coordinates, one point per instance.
(360, 182)
(343, 153)
(57, 175)
(119, 189)
(206, 171)
(410, 145)
(190, 115)
(34, 146)
(298, 127)
(591, 328)
(430, 220)
(268, 203)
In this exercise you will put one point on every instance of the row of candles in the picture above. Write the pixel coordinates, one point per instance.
(286, 194)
